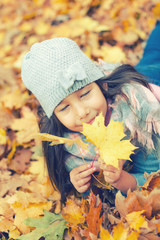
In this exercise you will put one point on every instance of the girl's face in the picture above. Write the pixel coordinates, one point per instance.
(82, 105)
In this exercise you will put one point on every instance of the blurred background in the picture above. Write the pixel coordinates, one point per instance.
(113, 30)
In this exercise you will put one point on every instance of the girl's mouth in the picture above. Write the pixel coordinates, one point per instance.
(91, 121)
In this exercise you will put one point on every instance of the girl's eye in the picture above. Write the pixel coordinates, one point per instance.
(85, 94)
(64, 108)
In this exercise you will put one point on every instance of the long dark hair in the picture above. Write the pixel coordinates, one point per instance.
(54, 155)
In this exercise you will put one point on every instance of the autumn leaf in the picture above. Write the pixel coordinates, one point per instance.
(152, 182)
(136, 220)
(20, 162)
(60, 140)
(108, 140)
(3, 136)
(26, 205)
(104, 234)
(120, 232)
(26, 126)
(135, 201)
(100, 182)
(74, 214)
(14, 99)
(93, 217)
(51, 226)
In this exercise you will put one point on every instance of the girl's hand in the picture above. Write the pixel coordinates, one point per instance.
(80, 177)
(112, 174)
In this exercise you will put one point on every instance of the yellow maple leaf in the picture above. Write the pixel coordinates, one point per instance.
(136, 221)
(108, 140)
(120, 232)
(73, 213)
(60, 140)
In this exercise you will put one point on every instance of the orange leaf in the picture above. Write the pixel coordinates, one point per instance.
(93, 218)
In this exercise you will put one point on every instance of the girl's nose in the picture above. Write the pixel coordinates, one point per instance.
(82, 111)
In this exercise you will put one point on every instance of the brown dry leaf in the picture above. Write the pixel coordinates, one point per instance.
(9, 184)
(21, 161)
(138, 201)
(154, 199)
(6, 117)
(135, 201)
(152, 182)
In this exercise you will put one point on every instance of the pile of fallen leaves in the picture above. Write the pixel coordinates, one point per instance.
(113, 30)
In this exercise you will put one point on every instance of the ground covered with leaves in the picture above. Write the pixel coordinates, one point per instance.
(113, 30)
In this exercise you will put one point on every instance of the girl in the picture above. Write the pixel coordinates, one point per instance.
(71, 89)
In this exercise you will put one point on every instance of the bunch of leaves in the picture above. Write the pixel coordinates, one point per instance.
(134, 217)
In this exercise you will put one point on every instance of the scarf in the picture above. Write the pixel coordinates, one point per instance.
(140, 114)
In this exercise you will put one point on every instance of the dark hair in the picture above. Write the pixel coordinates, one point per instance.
(120, 76)
(54, 155)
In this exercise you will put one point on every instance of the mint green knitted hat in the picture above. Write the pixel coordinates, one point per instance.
(55, 68)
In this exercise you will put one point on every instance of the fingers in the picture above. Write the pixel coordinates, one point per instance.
(97, 165)
(80, 177)
(83, 184)
(82, 171)
(111, 177)
(111, 173)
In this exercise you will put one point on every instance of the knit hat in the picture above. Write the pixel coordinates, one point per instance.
(55, 68)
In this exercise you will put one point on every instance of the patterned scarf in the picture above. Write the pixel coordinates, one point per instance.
(140, 114)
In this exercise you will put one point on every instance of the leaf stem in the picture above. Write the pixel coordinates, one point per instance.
(92, 166)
